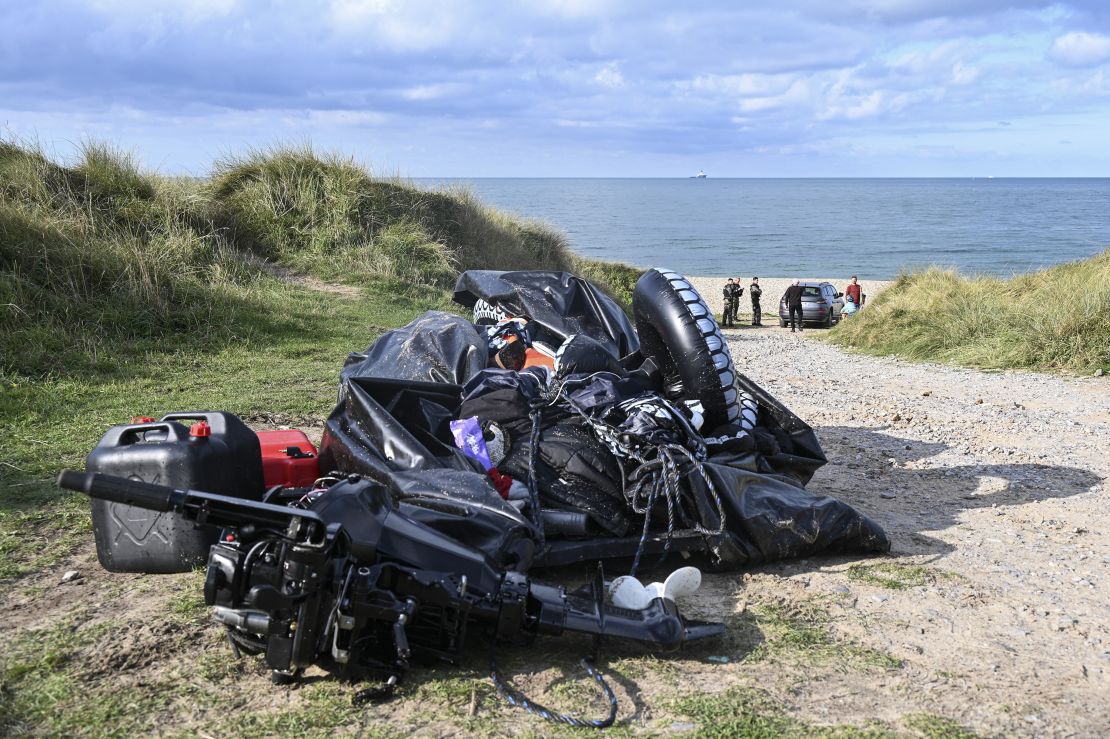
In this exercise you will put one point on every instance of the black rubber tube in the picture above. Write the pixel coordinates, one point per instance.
(678, 331)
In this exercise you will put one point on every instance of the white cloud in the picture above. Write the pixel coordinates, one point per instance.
(610, 76)
(430, 92)
(963, 74)
(188, 10)
(1080, 49)
(346, 117)
(796, 94)
(408, 26)
(742, 85)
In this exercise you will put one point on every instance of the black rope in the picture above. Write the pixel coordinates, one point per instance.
(515, 698)
(536, 415)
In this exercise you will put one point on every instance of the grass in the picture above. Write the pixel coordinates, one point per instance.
(891, 575)
(101, 262)
(802, 632)
(747, 713)
(1054, 319)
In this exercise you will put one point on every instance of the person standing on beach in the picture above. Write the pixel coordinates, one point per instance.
(793, 299)
(754, 291)
(737, 291)
(855, 292)
(729, 301)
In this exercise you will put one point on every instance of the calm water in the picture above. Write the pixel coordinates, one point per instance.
(817, 227)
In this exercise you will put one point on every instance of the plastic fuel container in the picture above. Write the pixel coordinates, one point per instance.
(130, 539)
(289, 459)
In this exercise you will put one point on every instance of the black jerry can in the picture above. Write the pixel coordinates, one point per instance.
(246, 451)
(130, 539)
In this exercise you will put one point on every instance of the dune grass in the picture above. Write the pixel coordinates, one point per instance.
(1054, 319)
(100, 261)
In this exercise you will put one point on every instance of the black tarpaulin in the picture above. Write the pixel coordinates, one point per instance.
(392, 424)
(560, 302)
(435, 347)
(396, 432)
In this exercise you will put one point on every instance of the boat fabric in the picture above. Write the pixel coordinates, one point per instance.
(606, 443)
(561, 303)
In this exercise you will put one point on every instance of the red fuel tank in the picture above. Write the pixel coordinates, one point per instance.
(289, 459)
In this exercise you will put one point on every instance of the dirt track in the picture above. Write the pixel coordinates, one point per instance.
(995, 483)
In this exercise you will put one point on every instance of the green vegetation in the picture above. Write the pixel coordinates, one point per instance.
(801, 632)
(1055, 319)
(891, 575)
(748, 713)
(100, 262)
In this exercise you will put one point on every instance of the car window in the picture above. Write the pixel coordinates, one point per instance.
(812, 291)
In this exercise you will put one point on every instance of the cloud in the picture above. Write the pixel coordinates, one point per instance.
(455, 83)
(610, 76)
(1080, 49)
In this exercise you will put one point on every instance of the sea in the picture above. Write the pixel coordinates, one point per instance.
(816, 227)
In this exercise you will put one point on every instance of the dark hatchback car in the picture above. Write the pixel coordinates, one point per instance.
(821, 304)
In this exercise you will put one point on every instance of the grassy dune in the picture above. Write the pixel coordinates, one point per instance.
(101, 262)
(1054, 319)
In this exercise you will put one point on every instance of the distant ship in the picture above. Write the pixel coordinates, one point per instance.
(699, 176)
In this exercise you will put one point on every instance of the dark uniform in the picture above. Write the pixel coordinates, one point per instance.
(731, 299)
(793, 299)
(757, 313)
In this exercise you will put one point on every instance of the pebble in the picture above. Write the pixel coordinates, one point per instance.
(888, 496)
(71, 576)
(1065, 622)
(880, 598)
(719, 659)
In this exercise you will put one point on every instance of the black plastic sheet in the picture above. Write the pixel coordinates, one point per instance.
(396, 433)
(558, 301)
(391, 424)
(436, 347)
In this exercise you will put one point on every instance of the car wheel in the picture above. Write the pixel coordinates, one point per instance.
(828, 322)
(782, 323)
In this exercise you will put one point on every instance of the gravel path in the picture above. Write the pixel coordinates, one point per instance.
(996, 483)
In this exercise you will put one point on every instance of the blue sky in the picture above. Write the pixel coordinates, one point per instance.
(573, 87)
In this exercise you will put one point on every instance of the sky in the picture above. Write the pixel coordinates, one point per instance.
(566, 88)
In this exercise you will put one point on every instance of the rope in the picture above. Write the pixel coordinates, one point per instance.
(536, 414)
(515, 698)
(660, 467)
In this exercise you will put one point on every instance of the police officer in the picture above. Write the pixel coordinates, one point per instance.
(728, 298)
(754, 291)
(737, 291)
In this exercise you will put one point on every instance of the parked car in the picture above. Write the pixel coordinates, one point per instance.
(821, 304)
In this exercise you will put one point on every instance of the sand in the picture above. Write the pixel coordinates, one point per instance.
(773, 288)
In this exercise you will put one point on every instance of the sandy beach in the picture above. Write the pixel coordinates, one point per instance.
(773, 288)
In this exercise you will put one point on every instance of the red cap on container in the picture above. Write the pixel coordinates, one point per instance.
(142, 419)
(200, 428)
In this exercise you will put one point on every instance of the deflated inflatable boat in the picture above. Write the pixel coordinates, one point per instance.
(461, 455)
(619, 441)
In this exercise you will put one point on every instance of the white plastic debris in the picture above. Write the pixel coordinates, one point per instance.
(628, 592)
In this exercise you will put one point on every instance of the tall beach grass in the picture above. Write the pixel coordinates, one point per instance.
(100, 258)
(1053, 319)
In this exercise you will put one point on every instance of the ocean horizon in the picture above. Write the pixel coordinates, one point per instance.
(871, 226)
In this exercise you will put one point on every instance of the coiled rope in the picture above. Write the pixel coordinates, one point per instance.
(515, 698)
